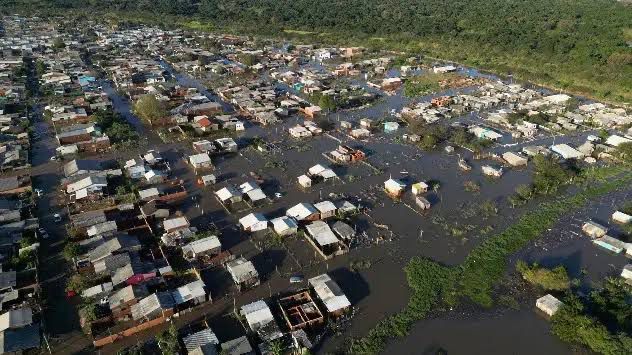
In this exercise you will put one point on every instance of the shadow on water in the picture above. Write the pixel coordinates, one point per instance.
(352, 284)
(434, 349)
(433, 198)
(225, 326)
(267, 261)
(219, 280)
(226, 176)
(572, 262)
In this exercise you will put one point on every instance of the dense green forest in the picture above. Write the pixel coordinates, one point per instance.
(578, 45)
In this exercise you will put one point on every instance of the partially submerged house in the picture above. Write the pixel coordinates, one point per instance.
(193, 293)
(492, 171)
(515, 159)
(326, 209)
(208, 180)
(243, 273)
(343, 231)
(594, 230)
(303, 212)
(420, 187)
(621, 217)
(229, 195)
(422, 202)
(567, 152)
(174, 224)
(304, 181)
(612, 244)
(330, 294)
(320, 172)
(261, 321)
(320, 235)
(153, 306)
(201, 161)
(548, 304)
(284, 225)
(254, 222)
(394, 188)
(202, 342)
(205, 247)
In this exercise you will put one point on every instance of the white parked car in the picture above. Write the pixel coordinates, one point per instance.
(593, 138)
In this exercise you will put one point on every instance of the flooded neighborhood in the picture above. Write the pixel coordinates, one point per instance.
(177, 191)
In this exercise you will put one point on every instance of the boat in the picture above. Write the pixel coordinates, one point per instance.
(464, 165)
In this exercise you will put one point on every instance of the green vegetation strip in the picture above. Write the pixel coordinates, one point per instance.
(434, 284)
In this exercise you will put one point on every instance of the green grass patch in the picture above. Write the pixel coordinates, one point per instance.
(548, 279)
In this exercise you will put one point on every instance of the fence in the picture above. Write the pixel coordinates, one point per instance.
(133, 330)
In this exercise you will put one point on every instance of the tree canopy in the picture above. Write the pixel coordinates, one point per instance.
(149, 108)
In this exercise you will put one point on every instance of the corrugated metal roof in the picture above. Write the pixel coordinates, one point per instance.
(329, 292)
(189, 291)
(321, 232)
(201, 338)
(175, 223)
(127, 294)
(16, 318)
(15, 340)
(202, 245)
(151, 304)
(241, 269)
(237, 346)
(257, 314)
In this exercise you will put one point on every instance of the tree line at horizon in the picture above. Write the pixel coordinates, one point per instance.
(583, 45)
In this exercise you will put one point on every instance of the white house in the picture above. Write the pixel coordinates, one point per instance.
(260, 320)
(566, 151)
(201, 161)
(174, 224)
(299, 131)
(303, 212)
(284, 225)
(394, 187)
(229, 194)
(548, 304)
(253, 222)
(304, 181)
(330, 294)
(205, 246)
(621, 217)
(615, 140)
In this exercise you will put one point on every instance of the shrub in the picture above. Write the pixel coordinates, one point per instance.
(549, 279)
